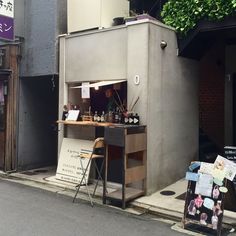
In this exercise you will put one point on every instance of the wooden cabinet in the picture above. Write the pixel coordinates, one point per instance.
(132, 142)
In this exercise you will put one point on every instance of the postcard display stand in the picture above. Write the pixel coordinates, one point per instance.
(204, 213)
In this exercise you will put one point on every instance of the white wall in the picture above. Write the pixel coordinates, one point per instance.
(84, 14)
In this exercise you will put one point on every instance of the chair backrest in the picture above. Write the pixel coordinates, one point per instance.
(98, 143)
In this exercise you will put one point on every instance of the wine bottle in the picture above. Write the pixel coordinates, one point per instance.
(95, 117)
(103, 117)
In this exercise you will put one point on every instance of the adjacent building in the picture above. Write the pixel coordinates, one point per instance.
(29, 75)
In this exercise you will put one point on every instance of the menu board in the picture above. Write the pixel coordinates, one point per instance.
(230, 154)
(70, 167)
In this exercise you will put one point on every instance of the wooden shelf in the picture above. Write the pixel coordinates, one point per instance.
(130, 193)
(131, 141)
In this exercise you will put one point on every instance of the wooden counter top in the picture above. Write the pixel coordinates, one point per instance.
(98, 124)
(86, 123)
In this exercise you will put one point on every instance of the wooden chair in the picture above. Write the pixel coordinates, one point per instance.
(98, 144)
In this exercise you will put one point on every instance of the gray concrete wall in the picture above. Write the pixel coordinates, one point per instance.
(137, 65)
(172, 110)
(96, 56)
(44, 20)
(117, 53)
(19, 18)
(168, 89)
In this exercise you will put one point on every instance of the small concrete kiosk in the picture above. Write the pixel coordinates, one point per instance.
(166, 85)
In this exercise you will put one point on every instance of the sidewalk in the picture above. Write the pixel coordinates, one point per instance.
(167, 203)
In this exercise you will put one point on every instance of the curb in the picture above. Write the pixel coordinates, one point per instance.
(135, 208)
(157, 211)
(228, 222)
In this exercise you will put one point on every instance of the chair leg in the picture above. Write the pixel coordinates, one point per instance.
(99, 176)
(84, 178)
(78, 185)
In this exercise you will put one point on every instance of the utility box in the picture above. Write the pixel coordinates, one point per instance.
(92, 14)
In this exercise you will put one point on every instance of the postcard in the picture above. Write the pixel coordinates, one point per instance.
(224, 167)
(208, 203)
(192, 176)
(206, 168)
(194, 165)
(204, 185)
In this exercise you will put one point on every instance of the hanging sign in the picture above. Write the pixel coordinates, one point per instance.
(6, 28)
(7, 8)
(7, 19)
(85, 90)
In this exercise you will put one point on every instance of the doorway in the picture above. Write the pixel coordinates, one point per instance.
(212, 104)
(38, 112)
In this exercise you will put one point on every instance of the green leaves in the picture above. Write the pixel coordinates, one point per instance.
(183, 15)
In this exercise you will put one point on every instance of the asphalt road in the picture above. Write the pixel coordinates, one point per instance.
(28, 211)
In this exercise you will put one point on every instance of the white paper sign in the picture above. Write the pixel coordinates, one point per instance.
(204, 185)
(85, 90)
(72, 115)
(7, 8)
(69, 168)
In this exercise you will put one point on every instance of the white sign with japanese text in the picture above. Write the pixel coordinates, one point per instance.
(7, 8)
(85, 90)
(69, 167)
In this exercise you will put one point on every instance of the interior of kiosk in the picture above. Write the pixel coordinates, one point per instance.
(93, 97)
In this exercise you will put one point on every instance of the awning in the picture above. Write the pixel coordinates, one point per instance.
(206, 33)
(100, 83)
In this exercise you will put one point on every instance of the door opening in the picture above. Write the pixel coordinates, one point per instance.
(38, 112)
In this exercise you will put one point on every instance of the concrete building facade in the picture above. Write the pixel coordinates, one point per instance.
(168, 88)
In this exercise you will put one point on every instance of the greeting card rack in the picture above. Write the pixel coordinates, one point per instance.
(204, 214)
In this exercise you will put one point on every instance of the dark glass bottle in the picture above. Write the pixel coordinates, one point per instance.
(117, 115)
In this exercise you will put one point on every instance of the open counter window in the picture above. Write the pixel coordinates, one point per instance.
(103, 101)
